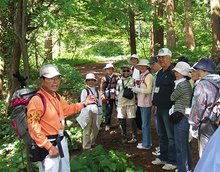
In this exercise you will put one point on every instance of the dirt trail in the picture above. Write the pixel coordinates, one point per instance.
(111, 140)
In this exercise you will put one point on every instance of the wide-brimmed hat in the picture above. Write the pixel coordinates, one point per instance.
(164, 52)
(205, 64)
(133, 56)
(109, 65)
(143, 62)
(90, 76)
(49, 71)
(183, 68)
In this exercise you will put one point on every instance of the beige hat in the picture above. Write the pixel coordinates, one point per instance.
(164, 52)
(49, 71)
(183, 68)
(109, 65)
(133, 56)
(90, 76)
(143, 62)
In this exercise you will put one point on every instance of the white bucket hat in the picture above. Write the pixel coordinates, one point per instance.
(109, 65)
(183, 68)
(143, 62)
(49, 71)
(133, 56)
(164, 52)
(90, 76)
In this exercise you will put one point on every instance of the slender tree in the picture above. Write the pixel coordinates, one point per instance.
(171, 36)
(215, 18)
(188, 28)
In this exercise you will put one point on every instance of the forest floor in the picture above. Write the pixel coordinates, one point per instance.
(111, 140)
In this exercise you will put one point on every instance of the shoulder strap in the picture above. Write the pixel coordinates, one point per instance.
(123, 85)
(145, 78)
(43, 101)
(87, 90)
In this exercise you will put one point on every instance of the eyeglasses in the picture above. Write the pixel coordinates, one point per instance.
(126, 70)
(58, 78)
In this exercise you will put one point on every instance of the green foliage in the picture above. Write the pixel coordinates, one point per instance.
(106, 48)
(102, 161)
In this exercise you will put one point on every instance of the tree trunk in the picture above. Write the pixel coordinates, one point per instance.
(1, 78)
(23, 38)
(215, 13)
(171, 38)
(48, 45)
(16, 50)
(132, 32)
(158, 29)
(188, 28)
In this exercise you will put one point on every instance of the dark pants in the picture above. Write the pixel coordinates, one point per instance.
(166, 136)
(109, 108)
(206, 129)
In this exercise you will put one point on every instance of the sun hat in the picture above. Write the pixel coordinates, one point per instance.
(133, 56)
(205, 64)
(153, 60)
(109, 65)
(183, 68)
(90, 76)
(164, 52)
(49, 71)
(143, 62)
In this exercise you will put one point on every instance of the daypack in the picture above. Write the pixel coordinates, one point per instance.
(88, 91)
(19, 102)
(215, 107)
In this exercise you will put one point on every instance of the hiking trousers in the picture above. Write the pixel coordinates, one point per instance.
(57, 164)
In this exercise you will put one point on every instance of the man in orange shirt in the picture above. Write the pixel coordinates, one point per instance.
(46, 126)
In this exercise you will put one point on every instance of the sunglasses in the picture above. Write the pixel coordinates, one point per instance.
(126, 70)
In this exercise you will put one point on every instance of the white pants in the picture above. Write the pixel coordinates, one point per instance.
(56, 164)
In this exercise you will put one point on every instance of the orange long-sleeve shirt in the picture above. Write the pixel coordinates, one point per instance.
(40, 124)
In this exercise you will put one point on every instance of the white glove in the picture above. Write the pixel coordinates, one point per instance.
(137, 90)
(193, 132)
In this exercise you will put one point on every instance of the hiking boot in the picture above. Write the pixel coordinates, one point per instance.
(107, 128)
(169, 167)
(157, 151)
(142, 147)
(132, 141)
(157, 161)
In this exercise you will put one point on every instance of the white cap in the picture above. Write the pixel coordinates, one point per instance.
(133, 56)
(109, 65)
(90, 76)
(164, 52)
(143, 62)
(49, 71)
(183, 68)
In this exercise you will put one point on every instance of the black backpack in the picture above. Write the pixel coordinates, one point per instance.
(19, 102)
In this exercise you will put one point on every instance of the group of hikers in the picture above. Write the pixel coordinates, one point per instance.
(179, 96)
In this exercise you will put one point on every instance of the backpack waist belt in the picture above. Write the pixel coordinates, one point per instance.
(57, 141)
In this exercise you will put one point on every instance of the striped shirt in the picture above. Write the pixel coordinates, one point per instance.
(182, 96)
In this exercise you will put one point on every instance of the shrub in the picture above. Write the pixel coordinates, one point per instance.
(100, 160)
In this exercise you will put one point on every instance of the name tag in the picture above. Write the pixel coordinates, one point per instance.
(157, 89)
